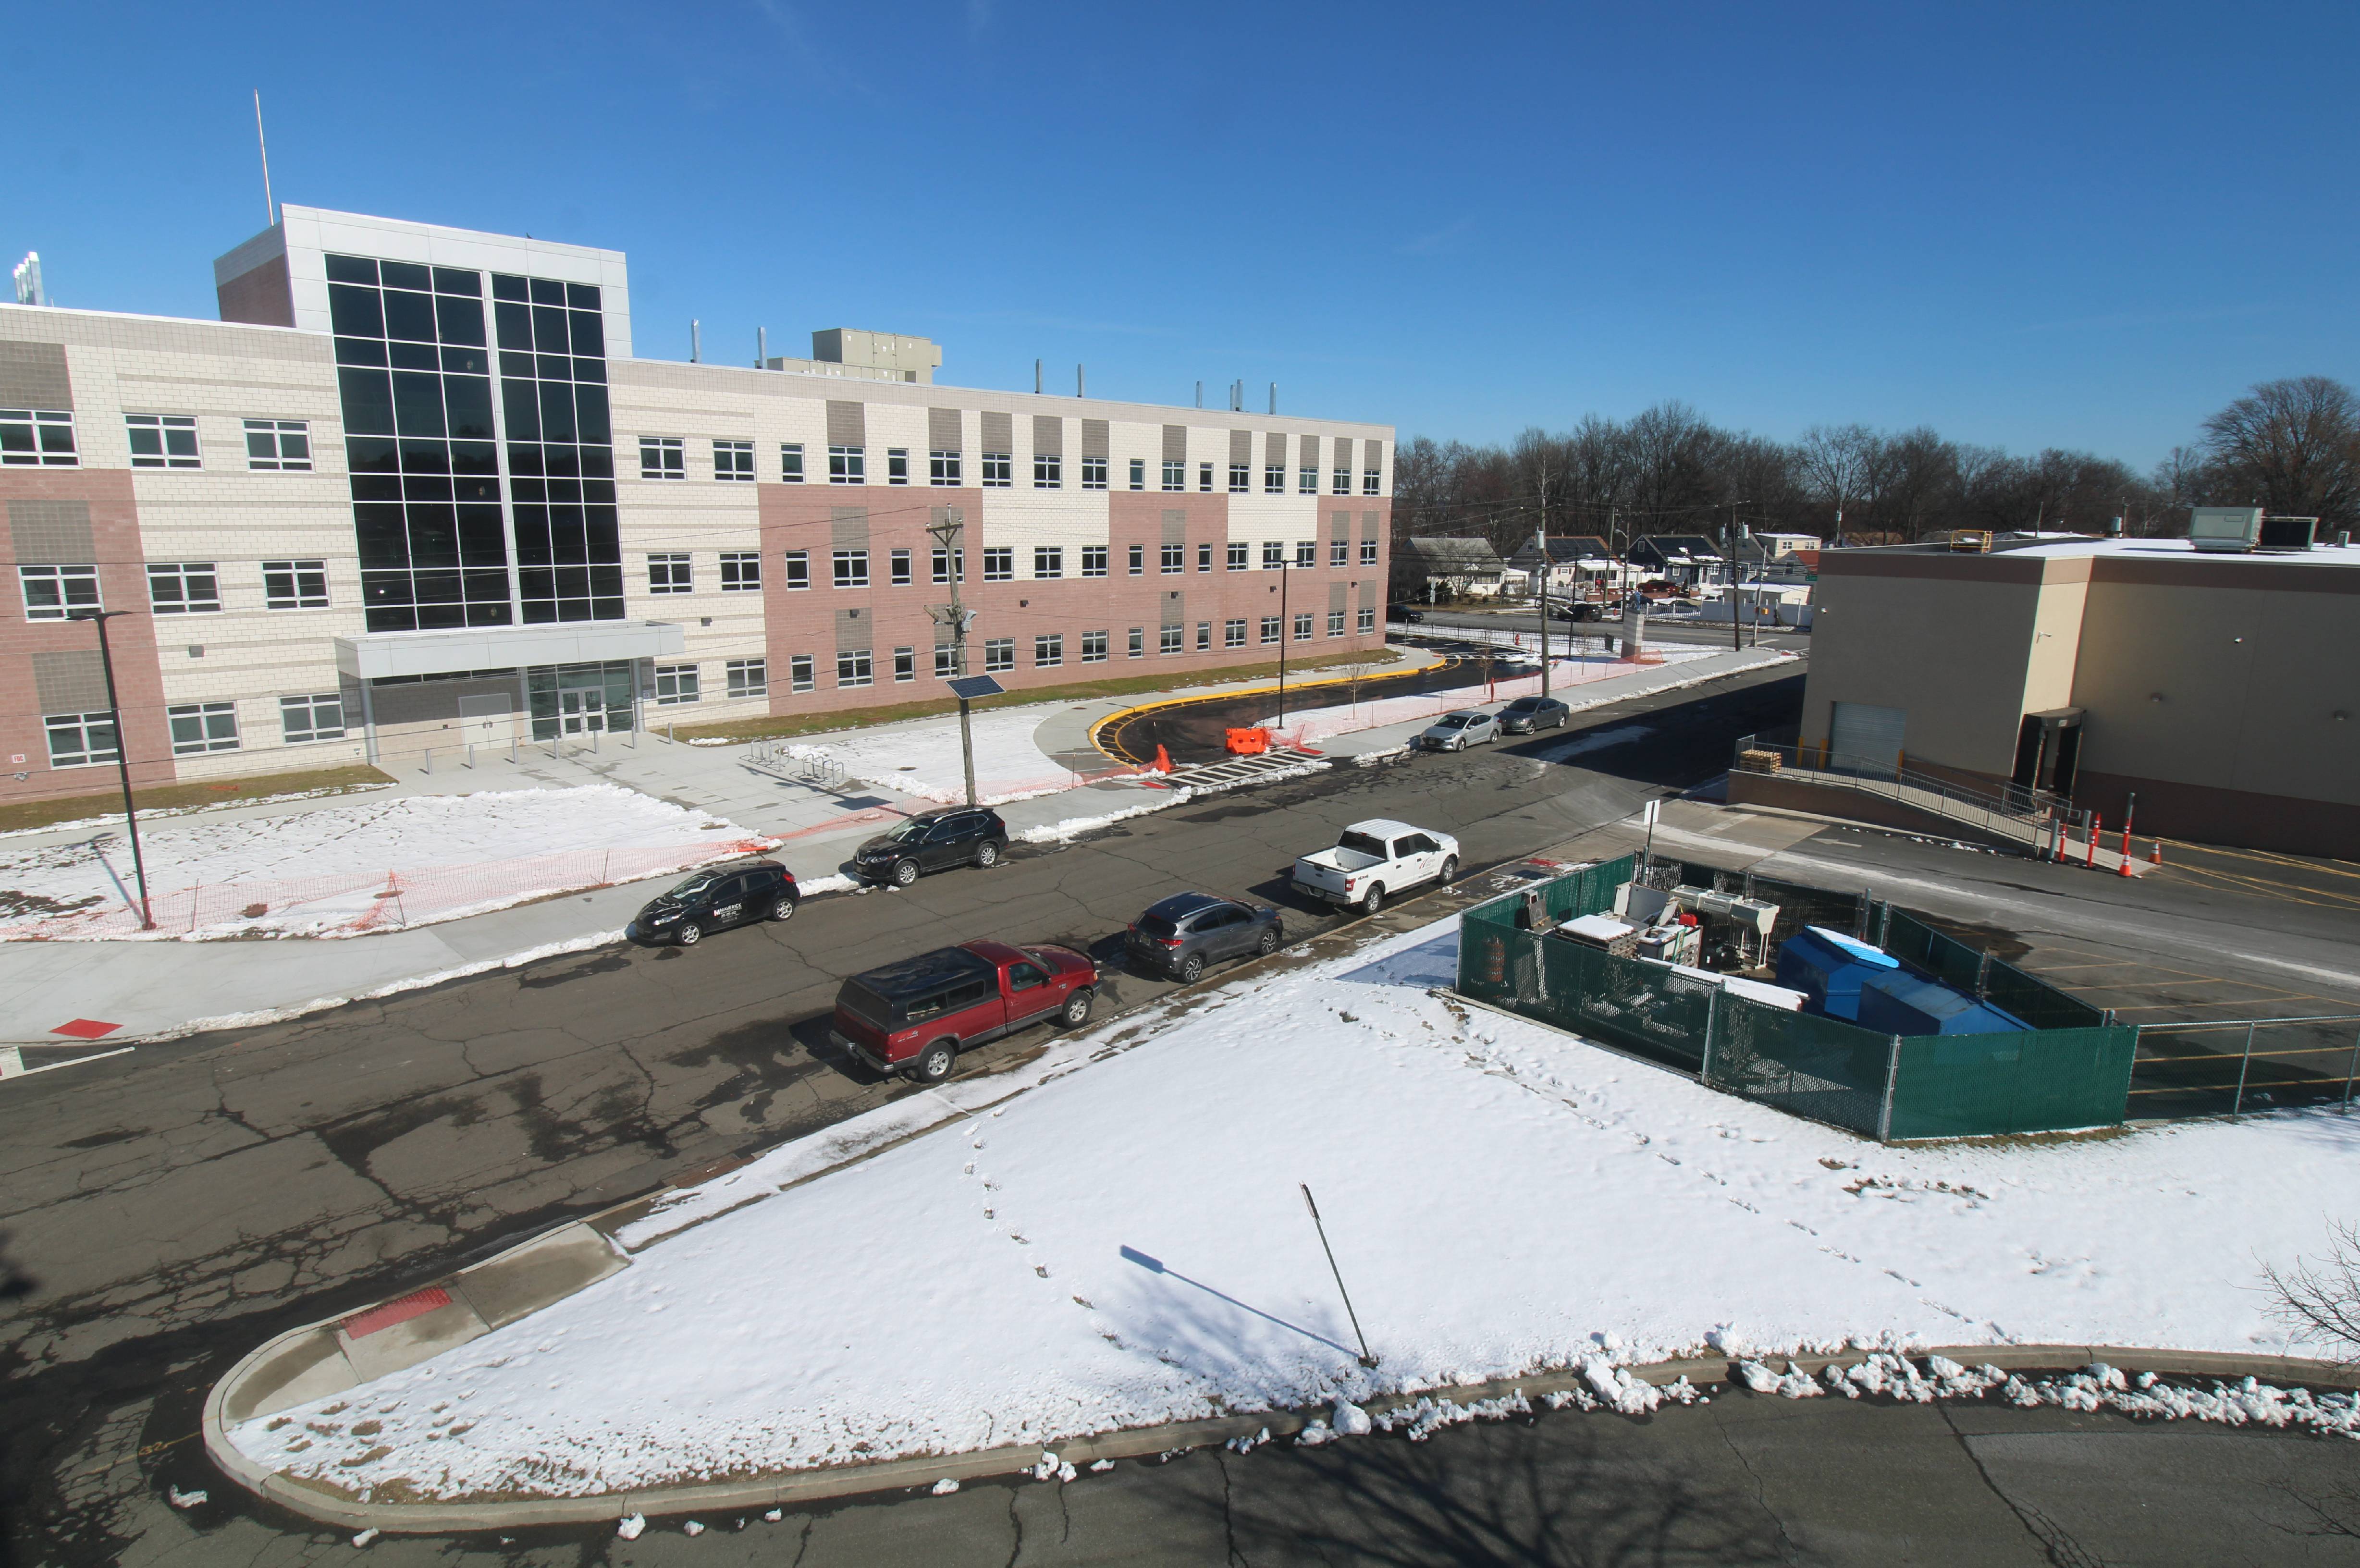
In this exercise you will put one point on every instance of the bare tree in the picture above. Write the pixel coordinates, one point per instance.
(2320, 1301)
(2293, 446)
(1833, 465)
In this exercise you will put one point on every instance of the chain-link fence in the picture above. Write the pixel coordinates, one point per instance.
(2070, 1069)
(2227, 1066)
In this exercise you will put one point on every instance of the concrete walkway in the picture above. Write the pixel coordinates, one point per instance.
(151, 989)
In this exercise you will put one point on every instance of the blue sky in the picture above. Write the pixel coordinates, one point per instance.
(2025, 225)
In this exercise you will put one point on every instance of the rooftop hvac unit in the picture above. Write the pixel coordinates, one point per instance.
(2235, 530)
(1970, 541)
(2289, 533)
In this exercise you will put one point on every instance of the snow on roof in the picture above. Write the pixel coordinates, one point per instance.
(2180, 549)
(1854, 948)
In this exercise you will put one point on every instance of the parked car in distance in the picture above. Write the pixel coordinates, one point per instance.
(1181, 934)
(716, 898)
(1526, 715)
(1579, 610)
(1457, 732)
(1375, 859)
(930, 841)
(1408, 614)
(917, 1014)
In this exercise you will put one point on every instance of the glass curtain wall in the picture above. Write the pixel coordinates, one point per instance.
(553, 342)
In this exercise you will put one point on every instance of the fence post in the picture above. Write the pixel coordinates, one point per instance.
(429, 761)
(470, 754)
(1860, 919)
(2351, 1071)
(1983, 977)
(1891, 1074)
(2244, 1064)
(1711, 1018)
(514, 741)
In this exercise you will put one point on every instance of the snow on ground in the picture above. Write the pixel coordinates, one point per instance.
(921, 756)
(1124, 1244)
(1308, 724)
(324, 871)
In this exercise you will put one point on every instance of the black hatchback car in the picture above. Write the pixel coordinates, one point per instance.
(957, 835)
(716, 898)
(1179, 936)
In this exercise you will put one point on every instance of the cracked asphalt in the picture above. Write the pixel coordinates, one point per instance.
(169, 1209)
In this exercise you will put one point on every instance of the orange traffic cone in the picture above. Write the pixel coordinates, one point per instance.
(1162, 760)
(2154, 852)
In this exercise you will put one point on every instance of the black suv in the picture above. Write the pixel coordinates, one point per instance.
(957, 835)
(717, 896)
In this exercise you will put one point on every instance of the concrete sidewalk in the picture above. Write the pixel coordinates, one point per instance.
(151, 989)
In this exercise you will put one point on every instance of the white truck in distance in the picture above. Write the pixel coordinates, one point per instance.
(1374, 860)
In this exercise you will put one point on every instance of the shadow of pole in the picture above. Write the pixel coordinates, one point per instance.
(1157, 1265)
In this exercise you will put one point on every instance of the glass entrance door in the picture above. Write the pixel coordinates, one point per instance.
(581, 709)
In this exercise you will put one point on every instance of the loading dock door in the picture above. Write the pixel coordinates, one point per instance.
(1864, 736)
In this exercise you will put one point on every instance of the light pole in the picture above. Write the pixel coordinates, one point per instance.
(1736, 565)
(1283, 631)
(122, 754)
(946, 535)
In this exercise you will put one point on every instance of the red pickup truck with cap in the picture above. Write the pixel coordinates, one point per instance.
(917, 1014)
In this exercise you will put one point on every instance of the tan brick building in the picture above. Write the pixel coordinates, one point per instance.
(414, 490)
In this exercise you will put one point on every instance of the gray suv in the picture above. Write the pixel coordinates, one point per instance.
(1179, 936)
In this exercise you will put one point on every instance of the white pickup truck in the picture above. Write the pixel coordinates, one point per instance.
(1374, 860)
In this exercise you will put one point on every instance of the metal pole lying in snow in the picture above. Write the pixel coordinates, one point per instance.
(1366, 1360)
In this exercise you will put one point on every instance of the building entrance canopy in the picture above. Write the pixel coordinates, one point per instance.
(381, 655)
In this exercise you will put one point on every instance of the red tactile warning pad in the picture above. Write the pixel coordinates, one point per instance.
(401, 1308)
(86, 1029)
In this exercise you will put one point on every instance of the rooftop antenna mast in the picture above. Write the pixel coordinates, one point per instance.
(269, 207)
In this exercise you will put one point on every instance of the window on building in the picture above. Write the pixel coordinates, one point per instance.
(1368, 553)
(80, 740)
(733, 461)
(905, 664)
(676, 685)
(669, 574)
(1273, 555)
(748, 677)
(37, 438)
(998, 470)
(942, 565)
(1138, 643)
(660, 458)
(1273, 479)
(900, 568)
(1094, 647)
(294, 585)
(1094, 560)
(998, 654)
(897, 466)
(798, 568)
(1370, 479)
(1306, 554)
(1306, 482)
(1048, 561)
(320, 716)
(1138, 560)
(278, 444)
(1171, 639)
(163, 441)
(1204, 636)
(52, 592)
(1240, 475)
(1094, 473)
(1237, 556)
(848, 465)
(1335, 623)
(851, 568)
(1343, 481)
(1303, 626)
(186, 588)
(201, 727)
(1048, 470)
(998, 564)
(1270, 625)
(799, 673)
(1233, 633)
(1205, 477)
(741, 570)
(942, 468)
(1204, 557)
(1368, 620)
(1339, 552)
(853, 667)
(1174, 558)
(1048, 650)
(1139, 473)
(791, 463)
(1175, 473)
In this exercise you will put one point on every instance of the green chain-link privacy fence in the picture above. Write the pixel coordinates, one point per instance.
(2070, 1069)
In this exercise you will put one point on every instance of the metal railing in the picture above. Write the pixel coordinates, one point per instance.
(2037, 818)
(2298, 1061)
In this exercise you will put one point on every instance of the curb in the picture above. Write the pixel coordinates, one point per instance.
(1140, 1442)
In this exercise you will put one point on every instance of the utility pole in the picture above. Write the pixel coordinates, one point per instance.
(1541, 540)
(1736, 564)
(1283, 628)
(946, 535)
(122, 756)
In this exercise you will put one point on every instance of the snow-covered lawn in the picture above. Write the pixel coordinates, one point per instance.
(921, 756)
(370, 866)
(1305, 725)
(1124, 1244)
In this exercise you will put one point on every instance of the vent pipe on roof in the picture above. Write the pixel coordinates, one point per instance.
(696, 341)
(761, 347)
(1273, 396)
(1036, 376)
(1200, 394)
(1080, 385)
